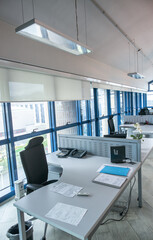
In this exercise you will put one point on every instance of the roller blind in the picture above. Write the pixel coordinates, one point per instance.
(21, 85)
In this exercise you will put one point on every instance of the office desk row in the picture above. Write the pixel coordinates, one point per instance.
(79, 172)
(147, 130)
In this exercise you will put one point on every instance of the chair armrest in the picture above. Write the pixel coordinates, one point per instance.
(55, 168)
(34, 187)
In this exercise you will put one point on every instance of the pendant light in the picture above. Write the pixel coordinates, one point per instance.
(41, 32)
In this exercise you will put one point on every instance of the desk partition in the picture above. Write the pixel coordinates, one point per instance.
(100, 146)
(138, 118)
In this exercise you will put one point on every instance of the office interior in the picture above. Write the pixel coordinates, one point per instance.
(45, 91)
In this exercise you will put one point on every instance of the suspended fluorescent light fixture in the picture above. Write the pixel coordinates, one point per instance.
(136, 75)
(39, 31)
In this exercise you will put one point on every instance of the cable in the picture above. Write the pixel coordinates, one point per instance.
(124, 212)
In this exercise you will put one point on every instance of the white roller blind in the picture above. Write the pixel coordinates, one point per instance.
(21, 85)
(70, 89)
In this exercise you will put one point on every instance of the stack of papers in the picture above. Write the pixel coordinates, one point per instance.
(110, 180)
(67, 213)
(65, 189)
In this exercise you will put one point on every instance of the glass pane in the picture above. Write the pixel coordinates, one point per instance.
(29, 117)
(150, 99)
(4, 173)
(93, 129)
(115, 119)
(65, 112)
(20, 145)
(142, 100)
(102, 102)
(103, 127)
(92, 105)
(113, 99)
(83, 110)
(2, 135)
(72, 130)
(84, 127)
(134, 105)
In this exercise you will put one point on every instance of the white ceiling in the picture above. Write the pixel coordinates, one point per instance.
(109, 46)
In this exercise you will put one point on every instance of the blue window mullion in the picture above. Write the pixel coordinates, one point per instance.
(132, 103)
(11, 147)
(79, 118)
(89, 133)
(125, 97)
(140, 101)
(108, 105)
(53, 122)
(118, 109)
(136, 103)
(7, 145)
(144, 100)
(97, 130)
(50, 125)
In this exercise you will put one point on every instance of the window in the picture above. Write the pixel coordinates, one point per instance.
(92, 105)
(134, 105)
(29, 117)
(65, 112)
(2, 134)
(103, 127)
(85, 129)
(150, 99)
(113, 100)
(83, 110)
(102, 102)
(4, 173)
(122, 107)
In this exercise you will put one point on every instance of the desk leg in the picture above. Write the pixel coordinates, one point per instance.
(21, 225)
(139, 188)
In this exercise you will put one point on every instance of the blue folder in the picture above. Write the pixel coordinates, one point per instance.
(120, 171)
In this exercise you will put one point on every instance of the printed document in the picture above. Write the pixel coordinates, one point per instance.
(67, 213)
(110, 180)
(65, 189)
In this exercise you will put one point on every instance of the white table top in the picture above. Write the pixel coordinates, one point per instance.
(78, 172)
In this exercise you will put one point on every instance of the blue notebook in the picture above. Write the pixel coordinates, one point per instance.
(120, 171)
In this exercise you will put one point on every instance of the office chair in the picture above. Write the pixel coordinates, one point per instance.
(111, 125)
(34, 163)
(112, 130)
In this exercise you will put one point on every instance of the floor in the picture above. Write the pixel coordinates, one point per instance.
(137, 225)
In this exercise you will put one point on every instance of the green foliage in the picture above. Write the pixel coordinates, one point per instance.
(138, 136)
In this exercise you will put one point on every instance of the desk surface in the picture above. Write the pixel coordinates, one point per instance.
(78, 172)
(147, 129)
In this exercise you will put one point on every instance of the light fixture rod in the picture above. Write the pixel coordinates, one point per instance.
(119, 29)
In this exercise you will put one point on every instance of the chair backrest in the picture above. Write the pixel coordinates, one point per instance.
(111, 125)
(34, 161)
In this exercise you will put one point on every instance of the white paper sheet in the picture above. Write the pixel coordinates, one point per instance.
(65, 189)
(110, 180)
(67, 213)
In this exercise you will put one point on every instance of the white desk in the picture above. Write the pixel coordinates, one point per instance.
(79, 172)
(147, 130)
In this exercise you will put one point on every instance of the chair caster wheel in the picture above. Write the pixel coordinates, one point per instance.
(43, 238)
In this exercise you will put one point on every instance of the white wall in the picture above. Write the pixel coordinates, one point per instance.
(18, 48)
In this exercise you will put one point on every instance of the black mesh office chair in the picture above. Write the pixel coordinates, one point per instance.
(35, 166)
